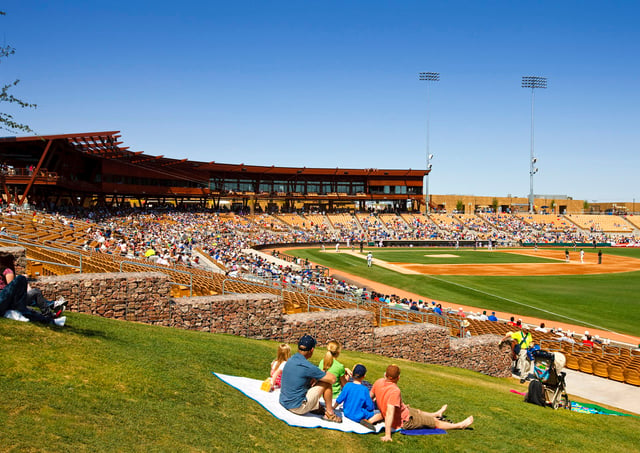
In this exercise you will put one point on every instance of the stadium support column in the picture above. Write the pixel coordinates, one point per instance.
(532, 82)
(35, 173)
(428, 77)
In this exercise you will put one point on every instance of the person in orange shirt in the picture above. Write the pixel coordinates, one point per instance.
(386, 393)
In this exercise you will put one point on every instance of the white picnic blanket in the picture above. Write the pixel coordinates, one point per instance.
(269, 400)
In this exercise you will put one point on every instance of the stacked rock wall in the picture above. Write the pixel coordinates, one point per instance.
(145, 297)
(249, 315)
(132, 296)
(352, 328)
(480, 354)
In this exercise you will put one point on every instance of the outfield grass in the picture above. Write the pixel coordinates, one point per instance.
(606, 301)
(106, 385)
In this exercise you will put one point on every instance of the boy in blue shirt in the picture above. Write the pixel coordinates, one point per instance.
(356, 401)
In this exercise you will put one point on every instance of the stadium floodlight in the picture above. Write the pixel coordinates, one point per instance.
(428, 77)
(532, 82)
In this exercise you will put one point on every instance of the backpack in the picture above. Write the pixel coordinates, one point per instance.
(535, 395)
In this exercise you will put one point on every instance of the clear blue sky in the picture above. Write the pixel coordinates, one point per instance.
(335, 83)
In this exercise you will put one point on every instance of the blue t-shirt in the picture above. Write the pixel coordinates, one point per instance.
(356, 401)
(296, 380)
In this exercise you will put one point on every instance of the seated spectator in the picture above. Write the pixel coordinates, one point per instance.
(14, 293)
(541, 328)
(464, 329)
(356, 400)
(586, 340)
(331, 364)
(396, 414)
(284, 353)
(493, 316)
(303, 384)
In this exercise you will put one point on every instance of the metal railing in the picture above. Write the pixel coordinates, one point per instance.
(164, 271)
(35, 260)
(16, 241)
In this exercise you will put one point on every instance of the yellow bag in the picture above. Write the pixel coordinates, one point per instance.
(267, 385)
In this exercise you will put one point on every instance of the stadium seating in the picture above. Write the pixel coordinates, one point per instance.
(72, 250)
(601, 223)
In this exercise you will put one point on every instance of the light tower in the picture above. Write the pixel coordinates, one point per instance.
(428, 77)
(532, 82)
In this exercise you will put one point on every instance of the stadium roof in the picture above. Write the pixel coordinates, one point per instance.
(107, 145)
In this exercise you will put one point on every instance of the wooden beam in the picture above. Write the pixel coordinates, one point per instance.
(35, 173)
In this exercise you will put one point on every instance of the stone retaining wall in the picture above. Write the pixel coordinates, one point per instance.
(249, 315)
(352, 328)
(417, 342)
(480, 354)
(145, 297)
(132, 296)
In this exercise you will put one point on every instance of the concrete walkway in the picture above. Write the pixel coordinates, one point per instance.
(603, 391)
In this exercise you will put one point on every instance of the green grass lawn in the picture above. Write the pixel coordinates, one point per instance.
(607, 301)
(105, 385)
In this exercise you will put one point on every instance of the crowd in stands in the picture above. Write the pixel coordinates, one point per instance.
(170, 236)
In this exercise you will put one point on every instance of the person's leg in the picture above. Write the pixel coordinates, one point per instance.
(327, 394)
(16, 293)
(420, 419)
(35, 297)
(523, 363)
(460, 425)
(5, 301)
(34, 316)
(19, 301)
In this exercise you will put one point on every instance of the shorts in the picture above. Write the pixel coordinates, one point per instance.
(418, 419)
(311, 402)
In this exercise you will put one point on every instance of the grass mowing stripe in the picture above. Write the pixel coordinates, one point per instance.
(579, 321)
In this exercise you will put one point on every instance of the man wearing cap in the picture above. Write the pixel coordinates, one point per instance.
(303, 383)
(521, 340)
(398, 415)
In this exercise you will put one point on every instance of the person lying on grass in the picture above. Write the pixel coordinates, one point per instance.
(303, 384)
(396, 414)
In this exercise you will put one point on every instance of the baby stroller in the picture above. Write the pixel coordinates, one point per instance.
(548, 388)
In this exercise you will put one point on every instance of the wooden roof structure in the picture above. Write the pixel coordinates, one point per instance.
(103, 153)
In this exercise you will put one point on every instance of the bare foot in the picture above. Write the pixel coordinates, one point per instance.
(440, 412)
(466, 422)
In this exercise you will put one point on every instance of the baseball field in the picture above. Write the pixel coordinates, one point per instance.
(525, 282)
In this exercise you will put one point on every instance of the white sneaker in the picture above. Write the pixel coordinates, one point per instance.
(60, 302)
(60, 321)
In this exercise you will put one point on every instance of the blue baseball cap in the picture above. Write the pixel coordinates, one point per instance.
(306, 343)
(359, 370)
